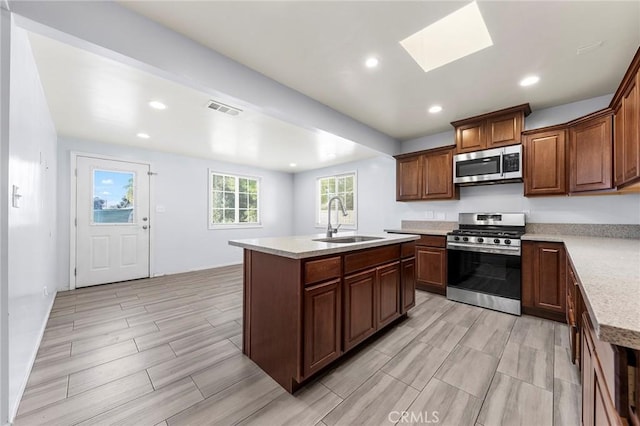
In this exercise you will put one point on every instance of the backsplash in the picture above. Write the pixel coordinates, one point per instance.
(585, 229)
(429, 224)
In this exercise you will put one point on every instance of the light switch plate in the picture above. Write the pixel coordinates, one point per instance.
(160, 209)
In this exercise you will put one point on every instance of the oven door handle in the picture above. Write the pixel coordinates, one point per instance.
(509, 251)
(501, 163)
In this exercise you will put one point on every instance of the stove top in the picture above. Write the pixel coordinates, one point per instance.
(488, 232)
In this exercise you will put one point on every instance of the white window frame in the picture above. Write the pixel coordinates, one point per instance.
(234, 225)
(317, 196)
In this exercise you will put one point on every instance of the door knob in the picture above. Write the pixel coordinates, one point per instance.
(145, 219)
(144, 226)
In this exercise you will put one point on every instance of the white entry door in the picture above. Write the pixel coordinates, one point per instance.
(112, 221)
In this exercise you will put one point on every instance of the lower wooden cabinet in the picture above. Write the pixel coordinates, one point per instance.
(371, 301)
(431, 264)
(359, 307)
(598, 407)
(544, 279)
(408, 284)
(388, 280)
(322, 320)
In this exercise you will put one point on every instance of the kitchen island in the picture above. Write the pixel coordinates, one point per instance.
(308, 301)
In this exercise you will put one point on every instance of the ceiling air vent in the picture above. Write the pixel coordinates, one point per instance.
(226, 109)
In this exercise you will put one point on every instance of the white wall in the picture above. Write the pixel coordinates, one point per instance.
(377, 208)
(32, 226)
(181, 238)
(376, 179)
(5, 59)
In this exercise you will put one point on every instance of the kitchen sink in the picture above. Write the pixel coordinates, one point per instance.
(348, 239)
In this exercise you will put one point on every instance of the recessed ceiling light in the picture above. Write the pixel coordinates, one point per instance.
(371, 62)
(143, 136)
(292, 164)
(530, 80)
(435, 108)
(455, 36)
(157, 105)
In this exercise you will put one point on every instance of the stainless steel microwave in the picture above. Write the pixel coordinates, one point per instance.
(489, 166)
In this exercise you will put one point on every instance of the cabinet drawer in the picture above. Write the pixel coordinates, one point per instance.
(322, 269)
(432, 241)
(372, 257)
(408, 249)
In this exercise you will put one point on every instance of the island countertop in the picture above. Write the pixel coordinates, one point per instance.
(304, 246)
(608, 272)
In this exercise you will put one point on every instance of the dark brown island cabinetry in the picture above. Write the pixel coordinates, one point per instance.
(544, 279)
(300, 315)
(408, 276)
(590, 153)
(425, 175)
(626, 140)
(544, 163)
(431, 264)
(492, 130)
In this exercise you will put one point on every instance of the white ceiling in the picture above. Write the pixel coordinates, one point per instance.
(95, 98)
(318, 48)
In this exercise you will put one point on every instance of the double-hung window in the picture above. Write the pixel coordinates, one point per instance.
(344, 186)
(234, 201)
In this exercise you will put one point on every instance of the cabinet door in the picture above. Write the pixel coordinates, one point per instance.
(588, 402)
(631, 130)
(544, 163)
(359, 307)
(590, 147)
(550, 277)
(504, 130)
(408, 284)
(322, 318)
(544, 279)
(409, 178)
(470, 137)
(431, 266)
(437, 173)
(618, 146)
(388, 277)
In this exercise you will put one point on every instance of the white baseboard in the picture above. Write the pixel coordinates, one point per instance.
(204, 268)
(14, 410)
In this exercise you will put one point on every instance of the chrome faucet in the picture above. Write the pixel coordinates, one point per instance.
(330, 229)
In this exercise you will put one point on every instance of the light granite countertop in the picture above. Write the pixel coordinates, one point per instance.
(418, 231)
(301, 247)
(609, 274)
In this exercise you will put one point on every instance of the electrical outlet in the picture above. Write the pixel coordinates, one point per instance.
(441, 216)
(428, 214)
(45, 292)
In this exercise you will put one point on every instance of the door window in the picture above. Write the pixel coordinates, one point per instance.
(113, 197)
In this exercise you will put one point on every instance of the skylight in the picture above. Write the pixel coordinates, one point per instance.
(455, 36)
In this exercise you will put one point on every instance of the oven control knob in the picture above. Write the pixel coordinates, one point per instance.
(465, 239)
(507, 242)
(497, 241)
(456, 238)
(481, 240)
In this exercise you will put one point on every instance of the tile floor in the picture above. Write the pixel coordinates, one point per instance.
(166, 351)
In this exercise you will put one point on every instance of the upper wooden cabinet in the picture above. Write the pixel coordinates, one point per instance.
(626, 140)
(425, 175)
(544, 161)
(492, 130)
(590, 152)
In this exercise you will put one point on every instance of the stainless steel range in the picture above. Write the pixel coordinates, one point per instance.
(483, 260)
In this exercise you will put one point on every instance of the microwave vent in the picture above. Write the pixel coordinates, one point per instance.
(225, 109)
